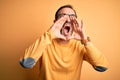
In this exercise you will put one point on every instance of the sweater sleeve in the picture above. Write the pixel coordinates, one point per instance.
(35, 51)
(95, 58)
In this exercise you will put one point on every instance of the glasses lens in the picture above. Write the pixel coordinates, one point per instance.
(72, 15)
(61, 15)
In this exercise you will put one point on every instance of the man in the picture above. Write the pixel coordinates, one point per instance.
(62, 49)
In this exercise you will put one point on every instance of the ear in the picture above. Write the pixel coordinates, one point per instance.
(54, 21)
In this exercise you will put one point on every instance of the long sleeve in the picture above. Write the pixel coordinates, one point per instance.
(95, 57)
(35, 51)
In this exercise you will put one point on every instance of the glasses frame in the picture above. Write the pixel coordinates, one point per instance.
(63, 14)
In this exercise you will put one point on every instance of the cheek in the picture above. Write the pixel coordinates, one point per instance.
(71, 29)
(61, 31)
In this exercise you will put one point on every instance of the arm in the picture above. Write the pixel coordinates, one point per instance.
(95, 57)
(91, 53)
(34, 52)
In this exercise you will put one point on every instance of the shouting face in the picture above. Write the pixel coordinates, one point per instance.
(67, 28)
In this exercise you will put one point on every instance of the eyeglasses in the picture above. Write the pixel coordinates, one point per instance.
(63, 14)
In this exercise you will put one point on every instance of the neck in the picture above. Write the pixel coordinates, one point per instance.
(62, 41)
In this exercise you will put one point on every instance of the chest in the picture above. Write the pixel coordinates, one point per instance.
(63, 55)
(62, 58)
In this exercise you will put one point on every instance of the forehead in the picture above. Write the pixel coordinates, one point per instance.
(67, 11)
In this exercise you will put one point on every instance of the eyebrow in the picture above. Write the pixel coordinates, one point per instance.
(67, 14)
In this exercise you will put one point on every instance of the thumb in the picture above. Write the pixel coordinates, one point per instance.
(75, 36)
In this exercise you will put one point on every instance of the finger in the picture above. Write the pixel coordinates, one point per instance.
(75, 36)
(62, 37)
(72, 21)
(82, 26)
(50, 28)
(59, 35)
(60, 22)
(75, 24)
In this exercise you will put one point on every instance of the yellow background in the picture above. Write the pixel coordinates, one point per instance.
(22, 21)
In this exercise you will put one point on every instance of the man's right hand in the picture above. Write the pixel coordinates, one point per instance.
(56, 27)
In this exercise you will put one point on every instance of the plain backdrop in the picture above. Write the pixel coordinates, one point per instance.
(23, 21)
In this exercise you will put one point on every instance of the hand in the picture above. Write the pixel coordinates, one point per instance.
(79, 29)
(56, 27)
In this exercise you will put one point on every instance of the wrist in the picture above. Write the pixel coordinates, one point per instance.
(85, 41)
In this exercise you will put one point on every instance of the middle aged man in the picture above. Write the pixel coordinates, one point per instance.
(63, 48)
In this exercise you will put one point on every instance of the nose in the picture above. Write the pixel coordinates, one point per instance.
(68, 20)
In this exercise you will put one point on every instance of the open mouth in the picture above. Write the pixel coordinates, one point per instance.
(67, 29)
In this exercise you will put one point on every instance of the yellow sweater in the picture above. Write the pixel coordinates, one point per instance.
(63, 61)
